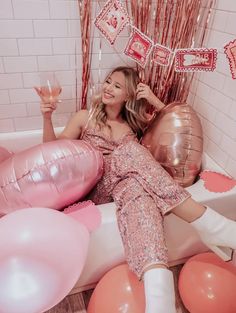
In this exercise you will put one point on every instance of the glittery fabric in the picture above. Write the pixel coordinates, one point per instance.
(143, 192)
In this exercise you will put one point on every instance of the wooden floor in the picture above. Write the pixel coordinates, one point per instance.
(78, 303)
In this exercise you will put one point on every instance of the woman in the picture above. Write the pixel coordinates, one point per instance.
(142, 190)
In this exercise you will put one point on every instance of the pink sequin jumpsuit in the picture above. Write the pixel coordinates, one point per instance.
(143, 193)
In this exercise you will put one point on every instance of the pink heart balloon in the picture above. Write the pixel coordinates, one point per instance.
(42, 254)
(53, 175)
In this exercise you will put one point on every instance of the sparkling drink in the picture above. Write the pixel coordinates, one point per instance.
(50, 94)
(49, 89)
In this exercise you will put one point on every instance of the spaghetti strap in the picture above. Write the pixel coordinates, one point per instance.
(90, 115)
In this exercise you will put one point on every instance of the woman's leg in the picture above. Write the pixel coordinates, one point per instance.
(216, 231)
(159, 289)
(141, 226)
(189, 210)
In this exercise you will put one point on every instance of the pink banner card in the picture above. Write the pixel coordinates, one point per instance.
(195, 60)
(112, 19)
(230, 51)
(161, 55)
(139, 47)
(217, 182)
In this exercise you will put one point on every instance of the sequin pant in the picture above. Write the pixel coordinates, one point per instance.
(143, 192)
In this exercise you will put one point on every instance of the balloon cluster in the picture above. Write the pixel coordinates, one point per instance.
(206, 284)
(43, 251)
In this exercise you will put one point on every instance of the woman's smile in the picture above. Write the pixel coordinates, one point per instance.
(107, 95)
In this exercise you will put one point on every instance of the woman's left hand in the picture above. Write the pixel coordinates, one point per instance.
(144, 92)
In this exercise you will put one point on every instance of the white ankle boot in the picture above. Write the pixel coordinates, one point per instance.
(217, 232)
(159, 291)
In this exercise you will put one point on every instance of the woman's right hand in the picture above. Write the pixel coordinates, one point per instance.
(47, 108)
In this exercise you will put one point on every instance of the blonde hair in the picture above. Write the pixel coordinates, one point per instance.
(133, 112)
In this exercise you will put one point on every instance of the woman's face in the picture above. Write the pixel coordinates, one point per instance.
(114, 91)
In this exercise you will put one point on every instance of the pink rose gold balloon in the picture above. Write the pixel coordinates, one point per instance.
(119, 290)
(208, 284)
(54, 175)
(175, 140)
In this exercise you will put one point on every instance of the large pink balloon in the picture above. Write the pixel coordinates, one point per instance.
(54, 175)
(208, 284)
(42, 253)
(119, 290)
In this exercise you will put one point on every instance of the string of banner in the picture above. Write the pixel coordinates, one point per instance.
(113, 18)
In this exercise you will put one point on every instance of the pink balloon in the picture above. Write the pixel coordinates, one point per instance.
(119, 290)
(42, 254)
(208, 284)
(54, 175)
(4, 154)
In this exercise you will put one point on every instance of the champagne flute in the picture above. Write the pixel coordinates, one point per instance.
(49, 89)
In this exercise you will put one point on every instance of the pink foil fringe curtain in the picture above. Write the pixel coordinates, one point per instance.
(175, 24)
(85, 10)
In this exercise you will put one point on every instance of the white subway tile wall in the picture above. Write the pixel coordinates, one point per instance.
(213, 94)
(44, 35)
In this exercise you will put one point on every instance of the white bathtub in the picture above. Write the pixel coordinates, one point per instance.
(106, 250)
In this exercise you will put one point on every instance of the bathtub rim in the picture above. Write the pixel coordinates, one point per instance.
(20, 140)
